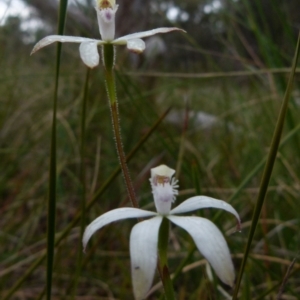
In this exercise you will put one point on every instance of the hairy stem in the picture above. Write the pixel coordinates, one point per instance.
(108, 59)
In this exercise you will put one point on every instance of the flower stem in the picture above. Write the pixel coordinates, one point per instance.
(162, 264)
(108, 60)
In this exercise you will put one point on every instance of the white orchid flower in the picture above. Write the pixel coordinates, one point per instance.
(106, 10)
(144, 235)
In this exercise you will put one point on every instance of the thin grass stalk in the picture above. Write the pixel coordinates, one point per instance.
(182, 139)
(256, 169)
(52, 196)
(60, 237)
(74, 283)
(52, 167)
(268, 169)
(276, 286)
(212, 75)
(285, 279)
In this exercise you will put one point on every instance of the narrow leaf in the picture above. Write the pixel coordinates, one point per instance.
(52, 167)
(268, 168)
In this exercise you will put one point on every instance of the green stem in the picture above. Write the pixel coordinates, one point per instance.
(108, 59)
(162, 265)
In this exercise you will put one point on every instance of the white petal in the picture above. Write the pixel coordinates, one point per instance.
(199, 202)
(143, 254)
(59, 38)
(211, 243)
(136, 45)
(138, 35)
(112, 216)
(89, 53)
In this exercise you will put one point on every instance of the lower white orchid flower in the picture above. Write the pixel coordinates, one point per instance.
(144, 235)
(106, 10)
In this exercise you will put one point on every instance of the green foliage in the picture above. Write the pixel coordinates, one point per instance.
(222, 159)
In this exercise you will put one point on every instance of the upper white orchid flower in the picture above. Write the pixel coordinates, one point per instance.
(106, 10)
(144, 235)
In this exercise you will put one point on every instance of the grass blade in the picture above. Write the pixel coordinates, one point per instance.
(52, 168)
(73, 285)
(268, 168)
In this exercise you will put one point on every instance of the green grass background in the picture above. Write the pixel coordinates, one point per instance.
(212, 161)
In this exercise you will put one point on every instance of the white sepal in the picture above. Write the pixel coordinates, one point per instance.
(89, 53)
(59, 38)
(143, 34)
(211, 243)
(143, 255)
(199, 202)
(112, 216)
(136, 45)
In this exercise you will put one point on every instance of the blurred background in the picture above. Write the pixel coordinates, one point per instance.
(224, 81)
